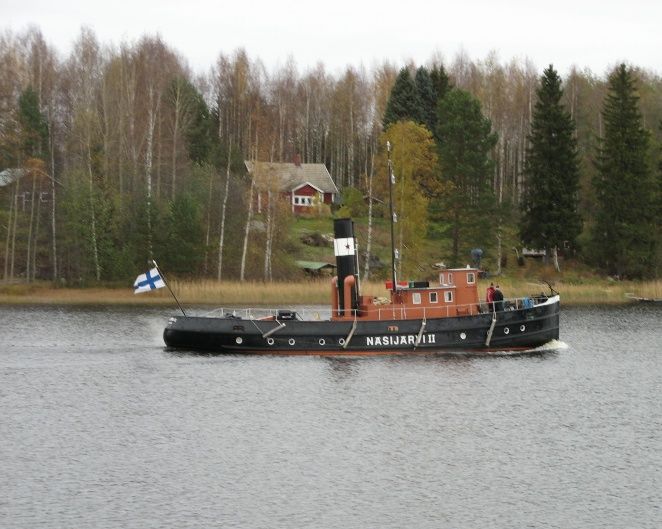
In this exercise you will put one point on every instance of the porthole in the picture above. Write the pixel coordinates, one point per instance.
(463, 335)
(322, 341)
(270, 341)
(506, 330)
(291, 341)
(341, 341)
(239, 339)
(522, 328)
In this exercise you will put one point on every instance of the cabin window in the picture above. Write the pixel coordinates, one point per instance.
(433, 297)
(416, 298)
(441, 278)
(471, 278)
(300, 200)
(448, 296)
(450, 278)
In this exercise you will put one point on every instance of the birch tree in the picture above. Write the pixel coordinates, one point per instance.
(158, 66)
(247, 231)
(42, 65)
(84, 74)
(221, 238)
(414, 167)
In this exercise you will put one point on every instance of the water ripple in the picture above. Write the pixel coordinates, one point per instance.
(103, 428)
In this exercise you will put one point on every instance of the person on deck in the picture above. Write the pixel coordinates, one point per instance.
(497, 297)
(489, 297)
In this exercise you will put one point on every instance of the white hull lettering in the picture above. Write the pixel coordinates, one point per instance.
(402, 339)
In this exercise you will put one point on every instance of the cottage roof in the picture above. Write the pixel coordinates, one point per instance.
(9, 176)
(288, 176)
(315, 266)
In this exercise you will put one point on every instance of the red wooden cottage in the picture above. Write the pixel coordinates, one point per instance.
(304, 185)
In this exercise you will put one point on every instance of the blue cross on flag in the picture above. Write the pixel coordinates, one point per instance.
(149, 281)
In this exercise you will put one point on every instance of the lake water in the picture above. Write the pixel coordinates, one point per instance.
(102, 428)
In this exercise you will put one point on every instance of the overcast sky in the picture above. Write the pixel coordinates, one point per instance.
(595, 34)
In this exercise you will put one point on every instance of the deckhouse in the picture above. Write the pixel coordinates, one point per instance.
(456, 294)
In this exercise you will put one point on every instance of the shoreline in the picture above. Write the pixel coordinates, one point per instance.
(316, 292)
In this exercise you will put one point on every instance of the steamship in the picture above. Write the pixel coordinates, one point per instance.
(415, 318)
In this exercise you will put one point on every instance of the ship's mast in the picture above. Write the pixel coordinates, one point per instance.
(391, 181)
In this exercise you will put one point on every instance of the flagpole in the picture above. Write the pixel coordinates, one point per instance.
(170, 289)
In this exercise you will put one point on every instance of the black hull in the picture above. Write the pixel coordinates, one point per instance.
(521, 329)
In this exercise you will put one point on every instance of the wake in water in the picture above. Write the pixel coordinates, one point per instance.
(550, 347)
(553, 345)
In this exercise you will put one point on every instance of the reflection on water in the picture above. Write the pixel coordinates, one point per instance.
(104, 428)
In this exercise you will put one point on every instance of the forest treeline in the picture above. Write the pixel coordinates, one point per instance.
(119, 153)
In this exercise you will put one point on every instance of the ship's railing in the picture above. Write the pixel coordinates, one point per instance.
(377, 312)
(264, 313)
(409, 312)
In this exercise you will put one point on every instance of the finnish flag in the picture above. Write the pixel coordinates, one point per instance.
(149, 281)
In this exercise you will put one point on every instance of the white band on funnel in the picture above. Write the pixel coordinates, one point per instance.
(344, 247)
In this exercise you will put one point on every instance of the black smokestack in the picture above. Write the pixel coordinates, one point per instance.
(346, 260)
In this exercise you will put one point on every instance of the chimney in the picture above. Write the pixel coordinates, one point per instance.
(297, 160)
(347, 263)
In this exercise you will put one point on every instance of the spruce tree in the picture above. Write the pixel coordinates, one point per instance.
(465, 140)
(624, 228)
(441, 85)
(182, 243)
(199, 134)
(34, 128)
(427, 97)
(550, 216)
(440, 81)
(403, 102)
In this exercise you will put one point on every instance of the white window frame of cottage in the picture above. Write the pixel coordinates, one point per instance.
(302, 200)
(448, 296)
(416, 298)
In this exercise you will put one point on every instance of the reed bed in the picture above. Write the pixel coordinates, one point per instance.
(47, 295)
(313, 292)
(259, 293)
(591, 292)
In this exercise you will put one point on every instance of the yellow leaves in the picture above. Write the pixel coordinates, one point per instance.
(35, 164)
(414, 159)
(417, 179)
(414, 154)
(266, 176)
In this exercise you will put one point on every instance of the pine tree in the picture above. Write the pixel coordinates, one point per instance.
(624, 227)
(550, 215)
(465, 140)
(404, 102)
